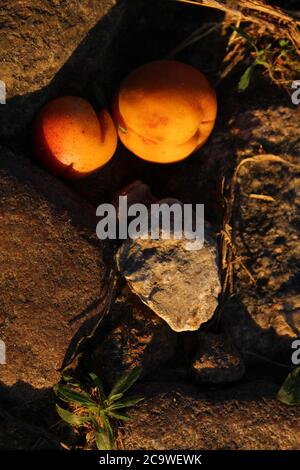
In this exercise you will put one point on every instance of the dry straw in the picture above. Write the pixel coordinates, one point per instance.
(276, 20)
(262, 35)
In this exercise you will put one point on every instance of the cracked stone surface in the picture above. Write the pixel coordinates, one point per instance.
(264, 318)
(53, 274)
(181, 286)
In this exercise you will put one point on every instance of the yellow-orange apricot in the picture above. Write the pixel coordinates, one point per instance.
(71, 140)
(164, 111)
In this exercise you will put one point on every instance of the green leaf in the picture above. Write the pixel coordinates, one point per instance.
(114, 398)
(103, 440)
(68, 378)
(123, 417)
(71, 418)
(74, 383)
(245, 78)
(244, 35)
(284, 42)
(125, 382)
(132, 401)
(71, 381)
(67, 394)
(261, 59)
(262, 62)
(289, 392)
(65, 377)
(97, 383)
(104, 435)
(96, 380)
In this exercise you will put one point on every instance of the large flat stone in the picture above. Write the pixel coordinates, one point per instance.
(264, 317)
(52, 274)
(38, 37)
(50, 48)
(180, 284)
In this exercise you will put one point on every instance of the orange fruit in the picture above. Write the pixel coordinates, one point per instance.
(71, 140)
(164, 111)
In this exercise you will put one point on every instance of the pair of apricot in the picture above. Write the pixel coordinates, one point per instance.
(163, 112)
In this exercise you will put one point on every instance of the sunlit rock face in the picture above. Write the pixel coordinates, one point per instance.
(179, 284)
(52, 275)
(47, 47)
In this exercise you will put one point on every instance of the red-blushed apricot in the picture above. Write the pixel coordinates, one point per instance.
(164, 111)
(71, 140)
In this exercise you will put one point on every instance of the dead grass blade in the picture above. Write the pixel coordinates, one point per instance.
(275, 48)
(198, 34)
(256, 11)
(261, 197)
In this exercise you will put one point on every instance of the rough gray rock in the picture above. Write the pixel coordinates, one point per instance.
(240, 417)
(217, 360)
(264, 318)
(53, 274)
(181, 286)
(137, 338)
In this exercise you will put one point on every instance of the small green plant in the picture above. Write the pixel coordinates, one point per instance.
(278, 58)
(94, 411)
(289, 392)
